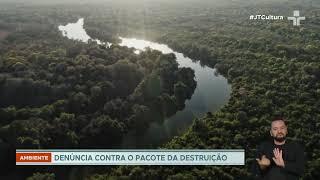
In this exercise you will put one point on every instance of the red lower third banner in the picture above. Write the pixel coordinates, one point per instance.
(36, 157)
(130, 157)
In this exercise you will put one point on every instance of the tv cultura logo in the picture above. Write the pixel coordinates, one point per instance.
(296, 18)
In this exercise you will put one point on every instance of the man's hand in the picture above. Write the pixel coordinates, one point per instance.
(278, 157)
(264, 162)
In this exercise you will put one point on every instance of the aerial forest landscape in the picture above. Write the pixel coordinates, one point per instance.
(156, 74)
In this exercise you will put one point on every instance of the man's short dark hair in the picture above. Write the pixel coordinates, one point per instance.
(279, 119)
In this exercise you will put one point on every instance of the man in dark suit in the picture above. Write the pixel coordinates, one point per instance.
(280, 159)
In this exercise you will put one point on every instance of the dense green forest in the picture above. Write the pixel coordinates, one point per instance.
(57, 92)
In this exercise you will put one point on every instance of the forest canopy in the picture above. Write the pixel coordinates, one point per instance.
(59, 93)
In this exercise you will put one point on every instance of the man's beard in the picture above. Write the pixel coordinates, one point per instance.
(280, 139)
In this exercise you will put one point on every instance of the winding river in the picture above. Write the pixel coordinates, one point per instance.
(211, 93)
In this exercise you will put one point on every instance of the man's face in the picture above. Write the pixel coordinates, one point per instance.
(278, 130)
